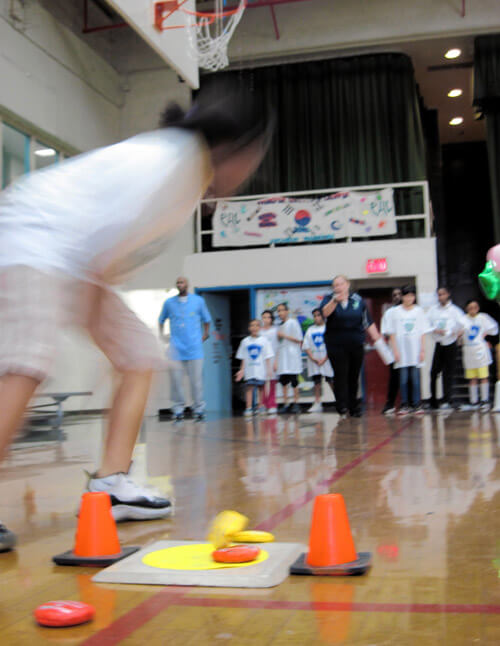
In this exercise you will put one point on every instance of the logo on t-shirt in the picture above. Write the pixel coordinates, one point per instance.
(409, 325)
(317, 338)
(254, 351)
(473, 332)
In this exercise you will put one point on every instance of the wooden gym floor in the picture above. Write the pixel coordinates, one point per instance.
(422, 494)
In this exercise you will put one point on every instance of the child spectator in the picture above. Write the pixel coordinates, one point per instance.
(255, 353)
(476, 355)
(270, 332)
(407, 327)
(289, 357)
(318, 365)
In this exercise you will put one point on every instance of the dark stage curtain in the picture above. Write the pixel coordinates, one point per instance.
(487, 100)
(340, 122)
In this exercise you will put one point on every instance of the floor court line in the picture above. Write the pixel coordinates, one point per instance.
(335, 606)
(148, 609)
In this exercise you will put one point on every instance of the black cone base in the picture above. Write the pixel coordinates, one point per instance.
(360, 566)
(69, 558)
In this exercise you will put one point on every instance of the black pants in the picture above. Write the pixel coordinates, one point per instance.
(346, 362)
(443, 361)
(392, 386)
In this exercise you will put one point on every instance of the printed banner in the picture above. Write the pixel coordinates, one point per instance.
(287, 220)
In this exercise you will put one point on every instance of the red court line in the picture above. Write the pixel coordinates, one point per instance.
(148, 609)
(137, 617)
(277, 518)
(338, 606)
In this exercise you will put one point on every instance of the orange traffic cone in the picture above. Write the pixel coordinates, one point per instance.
(96, 539)
(331, 548)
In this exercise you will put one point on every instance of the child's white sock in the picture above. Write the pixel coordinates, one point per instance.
(485, 392)
(473, 393)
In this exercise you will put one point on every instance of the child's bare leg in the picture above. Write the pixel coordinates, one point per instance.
(285, 395)
(317, 393)
(261, 396)
(296, 394)
(249, 396)
(124, 422)
(15, 394)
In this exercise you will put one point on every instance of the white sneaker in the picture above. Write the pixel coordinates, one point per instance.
(317, 407)
(272, 411)
(129, 501)
(7, 539)
(248, 412)
(485, 407)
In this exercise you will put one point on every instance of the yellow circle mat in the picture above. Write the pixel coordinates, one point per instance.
(193, 557)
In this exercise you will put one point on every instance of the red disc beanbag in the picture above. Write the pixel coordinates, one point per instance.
(63, 613)
(236, 554)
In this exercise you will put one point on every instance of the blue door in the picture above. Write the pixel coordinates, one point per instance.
(217, 350)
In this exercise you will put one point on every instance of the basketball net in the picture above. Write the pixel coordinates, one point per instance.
(209, 33)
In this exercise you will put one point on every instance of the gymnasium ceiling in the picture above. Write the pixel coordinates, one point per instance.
(127, 53)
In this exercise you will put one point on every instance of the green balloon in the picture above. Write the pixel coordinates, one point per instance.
(489, 280)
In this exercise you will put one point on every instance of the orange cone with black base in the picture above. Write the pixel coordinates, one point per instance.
(331, 548)
(96, 539)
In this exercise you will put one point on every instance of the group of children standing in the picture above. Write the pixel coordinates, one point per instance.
(274, 353)
(406, 324)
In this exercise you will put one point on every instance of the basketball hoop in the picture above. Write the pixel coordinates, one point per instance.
(209, 32)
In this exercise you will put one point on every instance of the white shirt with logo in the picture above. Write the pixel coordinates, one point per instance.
(315, 343)
(254, 351)
(475, 350)
(271, 334)
(408, 326)
(290, 352)
(448, 318)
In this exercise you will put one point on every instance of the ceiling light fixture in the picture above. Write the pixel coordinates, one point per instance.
(454, 93)
(45, 152)
(456, 121)
(453, 53)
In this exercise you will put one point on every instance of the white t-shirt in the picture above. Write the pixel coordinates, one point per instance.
(100, 215)
(385, 323)
(254, 351)
(475, 350)
(408, 326)
(271, 334)
(446, 318)
(315, 343)
(289, 352)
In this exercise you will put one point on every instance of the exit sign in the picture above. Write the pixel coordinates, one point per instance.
(376, 266)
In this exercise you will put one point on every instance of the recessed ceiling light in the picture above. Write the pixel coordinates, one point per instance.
(45, 152)
(453, 53)
(456, 121)
(454, 93)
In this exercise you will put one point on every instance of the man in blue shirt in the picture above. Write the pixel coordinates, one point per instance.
(187, 313)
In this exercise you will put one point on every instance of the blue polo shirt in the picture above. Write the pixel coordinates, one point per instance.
(186, 318)
(346, 326)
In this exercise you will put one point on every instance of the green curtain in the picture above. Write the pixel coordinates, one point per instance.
(340, 122)
(487, 100)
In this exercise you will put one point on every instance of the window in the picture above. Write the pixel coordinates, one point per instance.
(44, 156)
(15, 154)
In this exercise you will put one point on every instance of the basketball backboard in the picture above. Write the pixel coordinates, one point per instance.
(172, 45)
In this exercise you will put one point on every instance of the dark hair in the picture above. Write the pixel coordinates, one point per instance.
(317, 309)
(254, 321)
(443, 287)
(271, 314)
(472, 300)
(223, 111)
(282, 305)
(408, 289)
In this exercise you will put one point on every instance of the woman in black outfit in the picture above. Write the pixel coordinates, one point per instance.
(347, 320)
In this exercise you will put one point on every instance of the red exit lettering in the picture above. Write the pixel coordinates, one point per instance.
(376, 266)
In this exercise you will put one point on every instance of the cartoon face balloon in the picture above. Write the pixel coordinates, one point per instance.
(489, 278)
